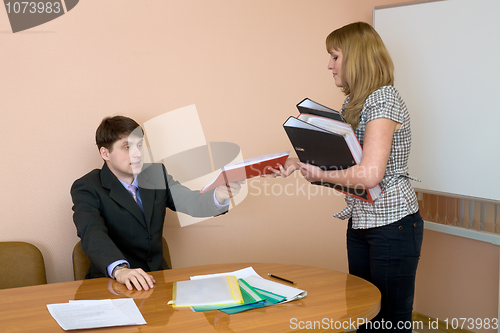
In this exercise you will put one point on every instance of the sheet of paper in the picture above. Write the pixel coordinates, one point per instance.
(240, 274)
(96, 313)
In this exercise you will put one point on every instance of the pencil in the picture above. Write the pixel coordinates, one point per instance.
(280, 278)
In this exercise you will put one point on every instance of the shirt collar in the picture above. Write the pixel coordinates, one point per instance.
(135, 183)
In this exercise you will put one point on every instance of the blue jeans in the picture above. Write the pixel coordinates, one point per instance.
(388, 256)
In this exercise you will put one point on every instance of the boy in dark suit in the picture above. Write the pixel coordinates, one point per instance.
(119, 210)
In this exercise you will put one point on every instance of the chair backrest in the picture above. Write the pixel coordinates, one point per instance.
(81, 263)
(22, 265)
(166, 253)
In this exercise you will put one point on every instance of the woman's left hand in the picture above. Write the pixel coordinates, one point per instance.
(311, 172)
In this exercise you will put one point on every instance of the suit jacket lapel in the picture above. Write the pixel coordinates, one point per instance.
(120, 195)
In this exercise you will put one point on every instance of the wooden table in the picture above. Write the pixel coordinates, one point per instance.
(335, 302)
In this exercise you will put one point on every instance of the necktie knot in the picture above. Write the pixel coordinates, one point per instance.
(133, 190)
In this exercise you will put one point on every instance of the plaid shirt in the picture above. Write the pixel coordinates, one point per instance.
(398, 198)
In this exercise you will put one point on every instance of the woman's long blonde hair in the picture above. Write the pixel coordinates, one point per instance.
(366, 65)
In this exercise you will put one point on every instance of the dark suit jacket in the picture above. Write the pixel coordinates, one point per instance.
(112, 226)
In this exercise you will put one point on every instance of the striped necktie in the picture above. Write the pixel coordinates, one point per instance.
(133, 190)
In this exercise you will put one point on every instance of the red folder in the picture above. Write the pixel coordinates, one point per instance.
(246, 169)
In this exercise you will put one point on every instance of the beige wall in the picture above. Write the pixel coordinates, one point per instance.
(457, 278)
(245, 64)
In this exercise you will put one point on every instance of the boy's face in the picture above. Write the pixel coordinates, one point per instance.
(125, 159)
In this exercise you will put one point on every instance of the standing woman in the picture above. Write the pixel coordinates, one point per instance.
(383, 238)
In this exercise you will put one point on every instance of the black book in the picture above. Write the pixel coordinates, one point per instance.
(309, 106)
(318, 146)
(329, 144)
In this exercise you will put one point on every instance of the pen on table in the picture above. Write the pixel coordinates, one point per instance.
(280, 278)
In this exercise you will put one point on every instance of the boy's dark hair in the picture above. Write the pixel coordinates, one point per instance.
(113, 129)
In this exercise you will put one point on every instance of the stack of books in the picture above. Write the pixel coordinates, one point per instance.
(231, 292)
(321, 137)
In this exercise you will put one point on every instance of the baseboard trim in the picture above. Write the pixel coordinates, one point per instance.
(441, 325)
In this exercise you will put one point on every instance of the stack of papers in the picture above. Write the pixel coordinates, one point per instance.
(250, 296)
(257, 291)
(96, 313)
(269, 299)
(213, 291)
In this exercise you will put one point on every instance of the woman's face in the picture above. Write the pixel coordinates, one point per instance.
(335, 65)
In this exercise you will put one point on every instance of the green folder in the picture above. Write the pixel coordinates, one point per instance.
(271, 299)
(250, 296)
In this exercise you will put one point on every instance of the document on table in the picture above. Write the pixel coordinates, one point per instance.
(212, 291)
(96, 313)
(256, 281)
(240, 274)
(291, 293)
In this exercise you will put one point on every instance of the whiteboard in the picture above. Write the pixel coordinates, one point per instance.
(447, 68)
